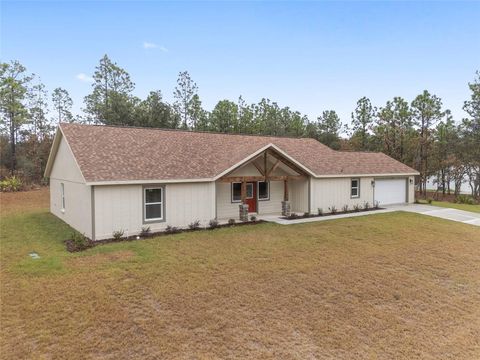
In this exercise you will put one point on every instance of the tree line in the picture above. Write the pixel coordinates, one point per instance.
(420, 133)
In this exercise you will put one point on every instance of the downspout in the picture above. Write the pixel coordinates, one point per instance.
(92, 211)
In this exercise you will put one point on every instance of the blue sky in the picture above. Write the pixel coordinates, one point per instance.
(311, 56)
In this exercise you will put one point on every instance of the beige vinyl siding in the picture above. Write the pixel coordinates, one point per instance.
(298, 195)
(120, 207)
(274, 205)
(225, 208)
(77, 212)
(411, 190)
(336, 191)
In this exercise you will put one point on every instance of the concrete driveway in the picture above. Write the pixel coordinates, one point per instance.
(465, 217)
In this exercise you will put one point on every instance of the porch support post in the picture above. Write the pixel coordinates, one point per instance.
(243, 192)
(243, 207)
(285, 190)
(285, 202)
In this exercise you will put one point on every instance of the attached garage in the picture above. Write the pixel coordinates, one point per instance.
(390, 191)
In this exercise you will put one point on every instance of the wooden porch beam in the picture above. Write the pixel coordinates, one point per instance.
(245, 179)
(260, 170)
(274, 166)
(285, 190)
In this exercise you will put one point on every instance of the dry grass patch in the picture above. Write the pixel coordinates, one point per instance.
(394, 285)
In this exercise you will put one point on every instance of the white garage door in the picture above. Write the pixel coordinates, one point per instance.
(390, 191)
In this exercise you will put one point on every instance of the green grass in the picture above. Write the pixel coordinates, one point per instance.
(394, 285)
(446, 204)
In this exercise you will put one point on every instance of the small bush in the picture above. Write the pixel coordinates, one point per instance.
(345, 208)
(332, 209)
(292, 216)
(416, 201)
(213, 224)
(306, 214)
(430, 200)
(145, 231)
(80, 241)
(171, 229)
(464, 199)
(231, 222)
(253, 218)
(194, 225)
(320, 212)
(366, 205)
(357, 207)
(118, 234)
(12, 183)
(376, 205)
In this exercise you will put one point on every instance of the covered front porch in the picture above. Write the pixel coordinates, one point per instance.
(267, 184)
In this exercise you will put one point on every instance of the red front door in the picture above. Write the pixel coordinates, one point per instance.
(251, 198)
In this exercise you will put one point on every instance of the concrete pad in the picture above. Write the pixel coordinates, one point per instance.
(465, 217)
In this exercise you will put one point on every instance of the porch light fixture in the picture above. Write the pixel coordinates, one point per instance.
(373, 183)
(411, 181)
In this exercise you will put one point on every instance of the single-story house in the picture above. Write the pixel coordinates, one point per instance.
(106, 178)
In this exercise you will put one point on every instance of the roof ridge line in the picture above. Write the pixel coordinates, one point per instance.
(190, 131)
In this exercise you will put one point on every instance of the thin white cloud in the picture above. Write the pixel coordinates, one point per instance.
(85, 78)
(150, 45)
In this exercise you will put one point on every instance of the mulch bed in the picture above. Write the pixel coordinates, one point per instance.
(329, 214)
(72, 247)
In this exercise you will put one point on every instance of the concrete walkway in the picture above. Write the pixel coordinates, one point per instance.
(465, 217)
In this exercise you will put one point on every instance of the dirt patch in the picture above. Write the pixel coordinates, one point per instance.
(24, 201)
(88, 261)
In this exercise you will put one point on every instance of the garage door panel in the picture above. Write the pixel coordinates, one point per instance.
(390, 191)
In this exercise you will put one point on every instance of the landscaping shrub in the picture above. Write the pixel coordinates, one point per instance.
(253, 218)
(376, 205)
(213, 224)
(12, 183)
(430, 200)
(231, 222)
(171, 229)
(292, 216)
(333, 209)
(194, 225)
(464, 199)
(320, 212)
(366, 205)
(145, 231)
(118, 234)
(306, 214)
(345, 208)
(79, 242)
(357, 207)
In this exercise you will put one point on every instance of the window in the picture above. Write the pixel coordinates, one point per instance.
(62, 194)
(153, 204)
(355, 188)
(236, 192)
(263, 190)
(249, 194)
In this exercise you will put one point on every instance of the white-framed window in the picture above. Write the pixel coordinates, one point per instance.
(355, 188)
(62, 195)
(263, 190)
(153, 200)
(236, 192)
(249, 194)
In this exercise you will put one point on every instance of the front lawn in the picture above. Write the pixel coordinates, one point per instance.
(446, 204)
(394, 285)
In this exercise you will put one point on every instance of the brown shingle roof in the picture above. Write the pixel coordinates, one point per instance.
(108, 153)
